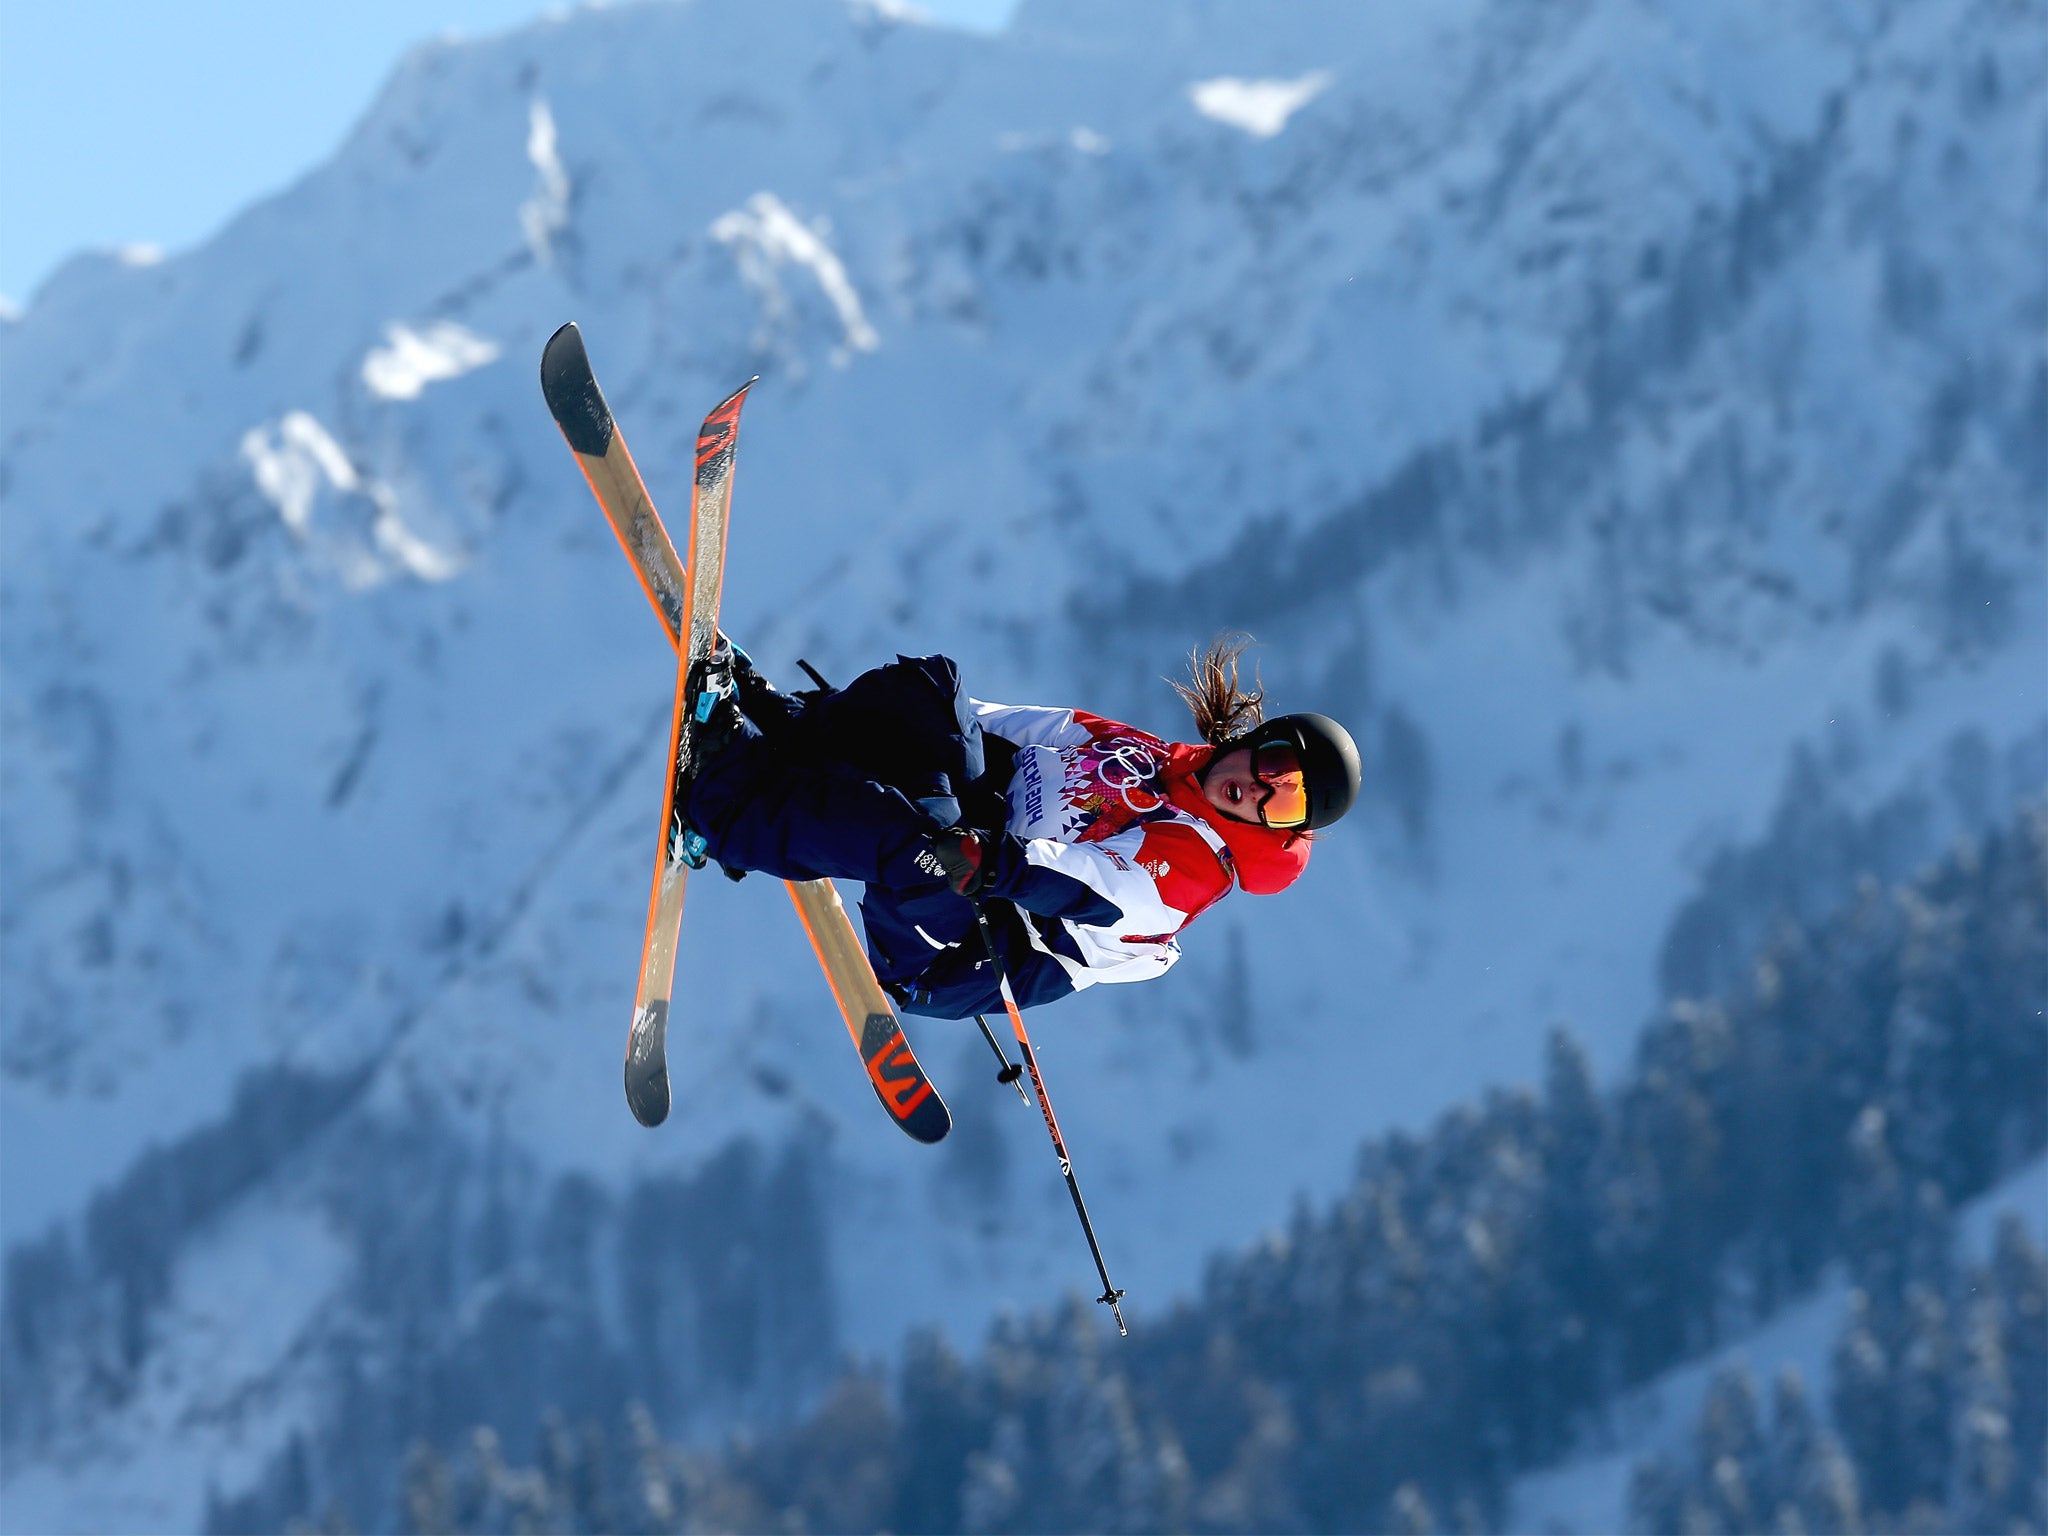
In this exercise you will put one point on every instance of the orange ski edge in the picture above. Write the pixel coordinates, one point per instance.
(818, 946)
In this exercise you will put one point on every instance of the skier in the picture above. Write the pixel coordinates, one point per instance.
(1090, 844)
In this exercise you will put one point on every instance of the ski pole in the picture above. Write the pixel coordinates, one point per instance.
(1011, 1070)
(1110, 1294)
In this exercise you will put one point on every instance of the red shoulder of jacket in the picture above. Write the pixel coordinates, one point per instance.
(1184, 868)
(1098, 726)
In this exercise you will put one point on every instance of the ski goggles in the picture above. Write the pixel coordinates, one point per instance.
(1276, 767)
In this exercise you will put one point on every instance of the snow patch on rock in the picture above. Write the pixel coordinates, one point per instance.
(1260, 107)
(894, 11)
(296, 462)
(411, 359)
(545, 214)
(291, 463)
(764, 237)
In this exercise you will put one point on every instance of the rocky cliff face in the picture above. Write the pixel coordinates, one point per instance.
(1631, 422)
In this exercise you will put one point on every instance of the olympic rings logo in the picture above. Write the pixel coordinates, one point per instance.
(1127, 767)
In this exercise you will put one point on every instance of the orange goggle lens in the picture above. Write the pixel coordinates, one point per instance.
(1278, 769)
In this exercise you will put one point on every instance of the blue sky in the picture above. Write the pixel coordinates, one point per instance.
(150, 122)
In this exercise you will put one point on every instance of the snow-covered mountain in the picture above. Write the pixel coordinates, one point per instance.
(1629, 418)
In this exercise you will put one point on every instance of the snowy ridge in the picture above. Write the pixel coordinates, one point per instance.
(1629, 419)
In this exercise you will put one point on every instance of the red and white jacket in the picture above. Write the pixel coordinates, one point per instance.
(1119, 810)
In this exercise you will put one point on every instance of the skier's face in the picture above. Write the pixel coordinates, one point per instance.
(1227, 784)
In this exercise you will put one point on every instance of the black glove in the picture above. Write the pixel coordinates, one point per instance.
(960, 853)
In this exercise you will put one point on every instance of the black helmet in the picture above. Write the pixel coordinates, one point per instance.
(1329, 761)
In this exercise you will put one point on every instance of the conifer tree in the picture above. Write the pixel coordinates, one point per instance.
(2019, 1271)
(991, 1494)
(428, 1495)
(1409, 1514)
(1986, 1463)
(1656, 1496)
(1791, 1445)
(1921, 1379)
(1565, 1246)
(943, 1422)
(655, 1500)
(1830, 1496)
(1862, 1402)
(1730, 1449)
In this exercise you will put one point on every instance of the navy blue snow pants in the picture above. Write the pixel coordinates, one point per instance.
(851, 784)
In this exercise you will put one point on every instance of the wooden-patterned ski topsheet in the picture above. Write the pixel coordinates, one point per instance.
(586, 421)
(579, 409)
(893, 1069)
(647, 1089)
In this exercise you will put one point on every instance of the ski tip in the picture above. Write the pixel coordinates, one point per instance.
(563, 358)
(735, 395)
(647, 1098)
(647, 1064)
(929, 1123)
(899, 1082)
(570, 388)
(649, 1107)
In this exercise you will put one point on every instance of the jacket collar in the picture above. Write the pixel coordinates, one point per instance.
(1263, 858)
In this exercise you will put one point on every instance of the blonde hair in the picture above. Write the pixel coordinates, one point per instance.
(1222, 707)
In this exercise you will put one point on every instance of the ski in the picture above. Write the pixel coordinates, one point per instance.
(899, 1082)
(682, 849)
(579, 409)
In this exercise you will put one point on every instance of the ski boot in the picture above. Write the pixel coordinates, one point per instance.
(768, 707)
(716, 723)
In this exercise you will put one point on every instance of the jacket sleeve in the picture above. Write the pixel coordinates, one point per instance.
(1147, 882)
(1031, 725)
(1052, 879)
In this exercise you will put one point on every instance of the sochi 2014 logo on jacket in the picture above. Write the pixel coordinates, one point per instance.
(1110, 784)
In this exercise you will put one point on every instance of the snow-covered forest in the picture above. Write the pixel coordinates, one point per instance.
(1483, 1296)
(1629, 417)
